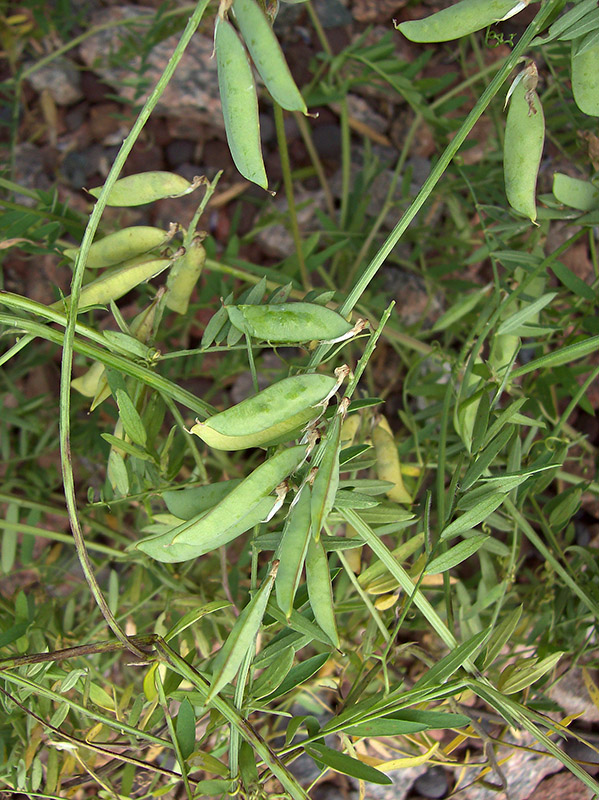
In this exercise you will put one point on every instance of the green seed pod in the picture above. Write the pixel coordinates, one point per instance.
(240, 103)
(292, 550)
(192, 501)
(320, 591)
(585, 78)
(145, 187)
(270, 415)
(326, 478)
(522, 148)
(183, 276)
(289, 322)
(242, 637)
(115, 283)
(267, 55)
(460, 20)
(245, 506)
(89, 383)
(122, 246)
(575, 193)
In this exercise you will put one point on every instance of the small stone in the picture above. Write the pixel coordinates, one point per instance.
(433, 784)
(61, 78)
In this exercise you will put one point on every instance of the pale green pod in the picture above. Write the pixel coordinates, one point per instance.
(272, 414)
(388, 467)
(240, 103)
(573, 192)
(289, 322)
(164, 548)
(115, 283)
(320, 591)
(585, 78)
(326, 479)
(189, 502)
(183, 277)
(122, 246)
(522, 149)
(504, 349)
(243, 634)
(145, 187)
(242, 508)
(292, 550)
(88, 383)
(267, 55)
(460, 20)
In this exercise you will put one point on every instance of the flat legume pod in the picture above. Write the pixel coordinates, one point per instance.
(585, 78)
(183, 277)
(267, 55)
(145, 187)
(239, 502)
(575, 193)
(164, 547)
(194, 500)
(122, 246)
(522, 149)
(289, 322)
(320, 590)
(460, 20)
(242, 637)
(292, 550)
(116, 282)
(240, 103)
(269, 415)
(388, 467)
(326, 479)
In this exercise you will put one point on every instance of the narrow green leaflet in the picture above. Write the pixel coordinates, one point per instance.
(346, 764)
(556, 358)
(456, 555)
(518, 676)
(445, 668)
(528, 312)
(274, 674)
(473, 517)
(185, 728)
(300, 674)
(326, 480)
(501, 635)
(292, 550)
(241, 638)
(130, 418)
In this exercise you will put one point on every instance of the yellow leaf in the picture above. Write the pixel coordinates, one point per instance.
(591, 686)
(401, 763)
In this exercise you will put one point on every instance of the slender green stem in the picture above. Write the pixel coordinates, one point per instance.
(288, 186)
(173, 734)
(68, 345)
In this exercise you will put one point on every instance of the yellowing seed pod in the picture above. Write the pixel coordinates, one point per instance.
(145, 187)
(116, 282)
(271, 415)
(267, 55)
(122, 246)
(183, 277)
(388, 467)
(240, 103)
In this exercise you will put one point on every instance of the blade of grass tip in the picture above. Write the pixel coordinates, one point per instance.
(67, 353)
(438, 170)
(173, 734)
(245, 729)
